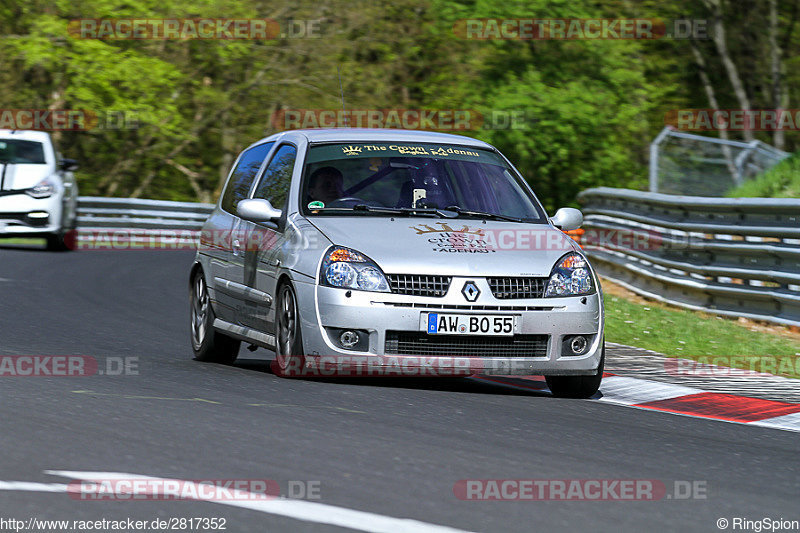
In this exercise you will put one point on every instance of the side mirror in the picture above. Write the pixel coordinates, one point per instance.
(567, 219)
(257, 210)
(69, 165)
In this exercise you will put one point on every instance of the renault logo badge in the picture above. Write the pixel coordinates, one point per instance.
(470, 291)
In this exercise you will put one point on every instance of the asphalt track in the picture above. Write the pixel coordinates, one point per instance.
(394, 448)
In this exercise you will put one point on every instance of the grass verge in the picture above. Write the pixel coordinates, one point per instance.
(781, 181)
(21, 240)
(706, 338)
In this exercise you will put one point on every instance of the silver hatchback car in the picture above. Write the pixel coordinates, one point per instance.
(358, 252)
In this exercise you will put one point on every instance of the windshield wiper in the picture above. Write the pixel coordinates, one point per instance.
(365, 209)
(403, 210)
(482, 214)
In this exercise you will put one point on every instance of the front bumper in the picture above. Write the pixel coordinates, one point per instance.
(379, 313)
(21, 215)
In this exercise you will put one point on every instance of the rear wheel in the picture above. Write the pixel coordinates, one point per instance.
(577, 386)
(207, 343)
(289, 356)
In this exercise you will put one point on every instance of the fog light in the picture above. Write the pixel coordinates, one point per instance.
(38, 218)
(578, 344)
(348, 339)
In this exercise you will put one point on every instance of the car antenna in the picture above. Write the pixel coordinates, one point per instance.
(341, 90)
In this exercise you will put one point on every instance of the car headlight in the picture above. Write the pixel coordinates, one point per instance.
(570, 277)
(348, 269)
(43, 189)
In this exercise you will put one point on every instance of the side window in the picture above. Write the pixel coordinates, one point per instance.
(274, 185)
(242, 176)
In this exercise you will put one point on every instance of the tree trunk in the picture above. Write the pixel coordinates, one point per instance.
(718, 36)
(712, 101)
(228, 144)
(778, 137)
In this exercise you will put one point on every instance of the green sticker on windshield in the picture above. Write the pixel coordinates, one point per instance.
(316, 205)
(399, 151)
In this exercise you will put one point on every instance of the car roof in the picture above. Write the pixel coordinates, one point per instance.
(383, 134)
(26, 135)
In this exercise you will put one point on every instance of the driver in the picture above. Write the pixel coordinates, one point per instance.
(326, 184)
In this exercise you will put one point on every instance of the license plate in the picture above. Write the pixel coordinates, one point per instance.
(451, 324)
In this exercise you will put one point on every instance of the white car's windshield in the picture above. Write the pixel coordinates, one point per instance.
(381, 178)
(21, 152)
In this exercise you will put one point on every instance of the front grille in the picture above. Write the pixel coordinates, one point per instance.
(13, 216)
(512, 288)
(422, 344)
(419, 284)
(18, 219)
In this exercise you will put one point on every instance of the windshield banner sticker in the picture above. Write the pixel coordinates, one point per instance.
(435, 151)
(407, 150)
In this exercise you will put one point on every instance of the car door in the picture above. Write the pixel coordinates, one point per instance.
(227, 254)
(262, 258)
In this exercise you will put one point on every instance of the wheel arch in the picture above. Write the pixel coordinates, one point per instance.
(197, 266)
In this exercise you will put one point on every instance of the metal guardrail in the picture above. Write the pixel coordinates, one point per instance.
(729, 256)
(131, 213)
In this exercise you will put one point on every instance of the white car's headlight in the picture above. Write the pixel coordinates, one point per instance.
(43, 189)
(348, 269)
(570, 277)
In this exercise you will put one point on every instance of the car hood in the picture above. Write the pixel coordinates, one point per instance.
(23, 176)
(457, 247)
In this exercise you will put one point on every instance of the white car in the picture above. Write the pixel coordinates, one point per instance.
(38, 193)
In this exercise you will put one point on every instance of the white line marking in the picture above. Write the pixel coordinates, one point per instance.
(619, 389)
(789, 422)
(31, 486)
(298, 509)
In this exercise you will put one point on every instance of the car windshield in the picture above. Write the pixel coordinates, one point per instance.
(380, 179)
(21, 152)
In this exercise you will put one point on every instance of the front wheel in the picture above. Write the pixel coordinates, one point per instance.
(207, 343)
(62, 241)
(577, 386)
(66, 238)
(289, 356)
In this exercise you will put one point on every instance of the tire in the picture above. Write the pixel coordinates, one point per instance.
(61, 241)
(577, 386)
(289, 355)
(208, 344)
(65, 239)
